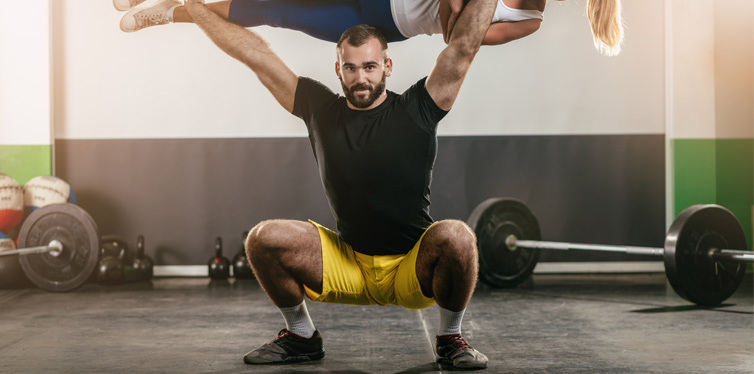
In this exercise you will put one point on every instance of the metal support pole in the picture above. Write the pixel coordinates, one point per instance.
(729, 254)
(512, 243)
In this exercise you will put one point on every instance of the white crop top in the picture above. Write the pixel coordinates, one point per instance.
(504, 13)
(416, 17)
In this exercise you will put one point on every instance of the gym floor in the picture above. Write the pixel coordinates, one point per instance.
(553, 324)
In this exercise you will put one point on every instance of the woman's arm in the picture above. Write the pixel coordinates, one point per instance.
(449, 11)
(504, 32)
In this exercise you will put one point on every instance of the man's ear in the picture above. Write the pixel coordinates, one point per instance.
(337, 69)
(389, 67)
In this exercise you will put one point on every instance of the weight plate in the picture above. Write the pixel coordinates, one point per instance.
(493, 221)
(695, 275)
(72, 226)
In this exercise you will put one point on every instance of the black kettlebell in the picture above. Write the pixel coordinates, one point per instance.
(138, 267)
(142, 262)
(241, 266)
(110, 268)
(219, 266)
(130, 274)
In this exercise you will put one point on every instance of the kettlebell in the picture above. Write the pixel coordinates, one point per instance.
(241, 266)
(142, 263)
(130, 274)
(110, 267)
(137, 268)
(219, 266)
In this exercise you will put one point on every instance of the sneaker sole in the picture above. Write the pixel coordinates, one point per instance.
(115, 5)
(130, 14)
(290, 359)
(465, 365)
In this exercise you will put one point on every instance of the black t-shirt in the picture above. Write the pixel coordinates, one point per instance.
(375, 165)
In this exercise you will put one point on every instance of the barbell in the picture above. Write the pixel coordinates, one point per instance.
(58, 247)
(705, 252)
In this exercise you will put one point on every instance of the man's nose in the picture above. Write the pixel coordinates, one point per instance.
(361, 75)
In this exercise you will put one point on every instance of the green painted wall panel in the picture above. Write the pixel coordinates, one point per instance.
(23, 162)
(715, 171)
(735, 179)
(694, 172)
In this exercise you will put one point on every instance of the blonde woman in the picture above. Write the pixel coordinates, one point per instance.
(397, 19)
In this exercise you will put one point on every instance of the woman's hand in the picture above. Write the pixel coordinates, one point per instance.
(449, 11)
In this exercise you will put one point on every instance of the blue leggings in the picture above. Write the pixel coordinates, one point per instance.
(322, 19)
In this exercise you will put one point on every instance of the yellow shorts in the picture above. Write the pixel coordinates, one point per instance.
(349, 277)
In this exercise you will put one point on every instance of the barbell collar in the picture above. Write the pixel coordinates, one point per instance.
(562, 246)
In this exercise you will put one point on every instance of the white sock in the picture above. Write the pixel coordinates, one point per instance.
(298, 321)
(170, 13)
(450, 322)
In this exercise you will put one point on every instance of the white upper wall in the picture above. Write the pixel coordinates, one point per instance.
(693, 69)
(734, 55)
(25, 73)
(712, 59)
(172, 82)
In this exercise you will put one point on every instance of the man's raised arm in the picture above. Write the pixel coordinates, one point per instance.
(249, 48)
(444, 82)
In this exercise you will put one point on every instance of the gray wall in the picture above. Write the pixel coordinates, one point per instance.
(181, 193)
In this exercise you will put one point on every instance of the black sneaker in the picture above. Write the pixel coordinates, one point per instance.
(287, 347)
(454, 349)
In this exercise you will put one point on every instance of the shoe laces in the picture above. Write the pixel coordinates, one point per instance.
(457, 339)
(285, 333)
(153, 19)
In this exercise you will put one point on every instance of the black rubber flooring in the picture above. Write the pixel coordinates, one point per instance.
(554, 324)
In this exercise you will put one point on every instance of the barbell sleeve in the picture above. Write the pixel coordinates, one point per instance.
(732, 254)
(54, 248)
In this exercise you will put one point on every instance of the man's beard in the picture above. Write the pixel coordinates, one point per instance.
(374, 93)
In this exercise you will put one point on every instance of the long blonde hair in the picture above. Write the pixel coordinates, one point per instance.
(607, 25)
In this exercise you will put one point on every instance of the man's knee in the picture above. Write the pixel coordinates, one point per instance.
(449, 252)
(264, 238)
(455, 239)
